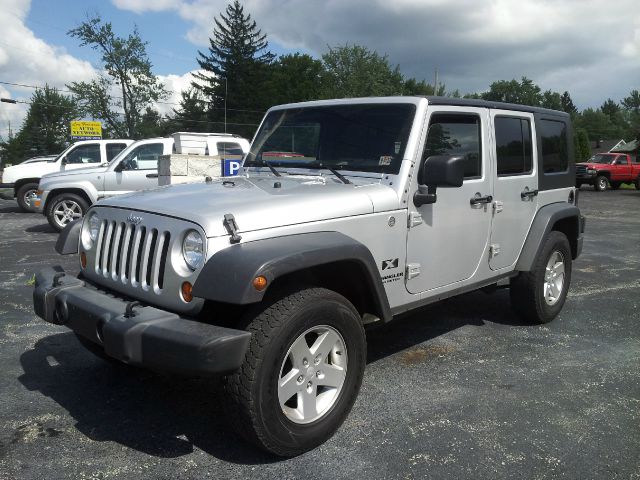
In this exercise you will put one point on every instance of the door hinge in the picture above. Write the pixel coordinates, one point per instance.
(414, 219)
(498, 206)
(494, 250)
(413, 270)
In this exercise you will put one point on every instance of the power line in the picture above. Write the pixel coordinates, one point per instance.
(121, 98)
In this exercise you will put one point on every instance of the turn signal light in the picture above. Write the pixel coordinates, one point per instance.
(187, 292)
(260, 283)
(83, 260)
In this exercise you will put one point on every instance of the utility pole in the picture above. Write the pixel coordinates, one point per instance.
(435, 83)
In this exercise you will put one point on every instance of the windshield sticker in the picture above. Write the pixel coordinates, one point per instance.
(397, 147)
(385, 160)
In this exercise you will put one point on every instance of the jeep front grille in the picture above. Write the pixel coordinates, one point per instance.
(132, 254)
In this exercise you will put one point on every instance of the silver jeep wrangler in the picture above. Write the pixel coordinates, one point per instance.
(348, 212)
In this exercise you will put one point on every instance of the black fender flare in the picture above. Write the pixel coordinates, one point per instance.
(544, 221)
(69, 237)
(228, 274)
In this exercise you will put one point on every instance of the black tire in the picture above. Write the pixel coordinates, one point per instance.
(614, 185)
(528, 288)
(251, 393)
(21, 196)
(601, 183)
(57, 201)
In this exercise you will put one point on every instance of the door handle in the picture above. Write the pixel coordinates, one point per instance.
(478, 199)
(152, 175)
(528, 194)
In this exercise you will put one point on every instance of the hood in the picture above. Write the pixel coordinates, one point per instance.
(593, 165)
(256, 204)
(27, 170)
(75, 171)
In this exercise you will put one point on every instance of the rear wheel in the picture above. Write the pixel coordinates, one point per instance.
(602, 183)
(65, 208)
(301, 374)
(538, 295)
(24, 195)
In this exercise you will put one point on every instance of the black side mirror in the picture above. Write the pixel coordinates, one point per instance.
(438, 171)
(64, 160)
(119, 167)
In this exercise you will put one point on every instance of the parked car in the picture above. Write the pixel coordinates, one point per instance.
(21, 181)
(608, 170)
(66, 196)
(270, 277)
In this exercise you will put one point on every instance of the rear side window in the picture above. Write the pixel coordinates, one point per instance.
(455, 134)
(113, 149)
(513, 146)
(229, 148)
(89, 153)
(555, 157)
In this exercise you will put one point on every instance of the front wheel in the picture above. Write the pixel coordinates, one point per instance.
(538, 295)
(65, 208)
(602, 183)
(301, 374)
(24, 195)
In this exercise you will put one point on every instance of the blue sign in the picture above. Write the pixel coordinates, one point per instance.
(230, 168)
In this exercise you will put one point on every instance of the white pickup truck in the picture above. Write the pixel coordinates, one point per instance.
(21, 181)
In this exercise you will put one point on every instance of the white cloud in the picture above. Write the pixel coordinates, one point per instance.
(175, 85)
(590, 48)
(26, 59)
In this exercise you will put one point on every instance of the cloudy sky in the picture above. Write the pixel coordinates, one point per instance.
(589, 47)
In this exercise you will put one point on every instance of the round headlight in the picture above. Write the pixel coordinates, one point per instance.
(94, 226)
(90, 230)
(193, 249)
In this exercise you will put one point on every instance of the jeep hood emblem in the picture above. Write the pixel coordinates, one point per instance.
(134, 219)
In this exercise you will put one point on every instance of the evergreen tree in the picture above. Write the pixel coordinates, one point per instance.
(234, 68)
(296, 78)
(567, 103)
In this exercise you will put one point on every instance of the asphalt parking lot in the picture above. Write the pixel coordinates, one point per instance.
(462, 389)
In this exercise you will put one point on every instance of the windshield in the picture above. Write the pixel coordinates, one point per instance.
(366, 137)
(600, 158)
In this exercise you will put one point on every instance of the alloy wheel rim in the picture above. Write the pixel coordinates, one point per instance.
(554, 278)
(312, 374)
(28, 195)
(66, 211)
(603, 184)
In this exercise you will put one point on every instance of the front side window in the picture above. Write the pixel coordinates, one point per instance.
(144, 157)
(456, 134)
(84, 154)
(366, 137)
(555, 157)
(513, 146)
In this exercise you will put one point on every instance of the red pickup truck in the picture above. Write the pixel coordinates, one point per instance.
(608, 170)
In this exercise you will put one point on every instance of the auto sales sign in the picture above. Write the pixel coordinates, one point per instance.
(85, 130)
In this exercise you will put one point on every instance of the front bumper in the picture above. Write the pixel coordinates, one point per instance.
(586, 177)
(37, 202)
(147, 336)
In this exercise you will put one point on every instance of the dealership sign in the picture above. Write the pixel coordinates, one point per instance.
(84, 130)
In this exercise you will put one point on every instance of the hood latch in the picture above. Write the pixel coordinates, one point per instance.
(231, 226)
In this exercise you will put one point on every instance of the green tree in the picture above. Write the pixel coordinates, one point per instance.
(128, 70)
(411, 86)
(581, 144)
(355, 71)
(598, 125)
(192, 116)
(610, 108)
(552, 100)
(45, 129)
(234, 68)
(567, 103)
(524, 92)
(632, 102)
(296, 78)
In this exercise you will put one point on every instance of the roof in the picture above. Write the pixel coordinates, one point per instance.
(627, 147)
(469, 102)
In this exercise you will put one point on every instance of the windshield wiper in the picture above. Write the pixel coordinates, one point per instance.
(271, 167)
(342, 178)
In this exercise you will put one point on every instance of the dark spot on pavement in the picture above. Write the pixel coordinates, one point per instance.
(419, 355)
